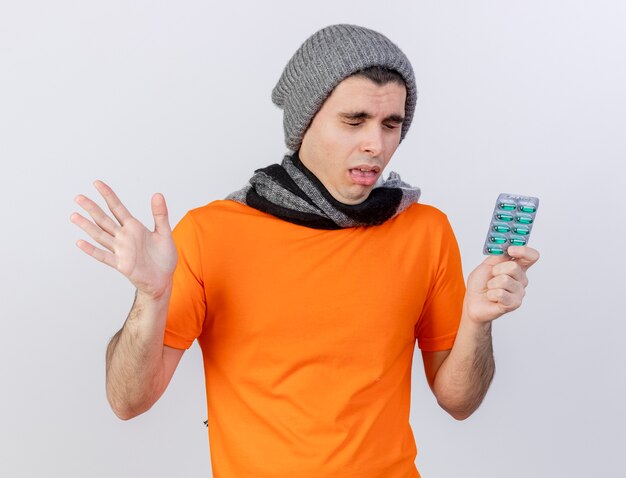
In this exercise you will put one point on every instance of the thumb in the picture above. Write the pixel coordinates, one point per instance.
(525, 256)
(159, 212)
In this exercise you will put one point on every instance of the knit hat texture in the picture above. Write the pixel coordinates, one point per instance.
(324, 60)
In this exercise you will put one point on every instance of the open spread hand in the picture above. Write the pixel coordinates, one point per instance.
(147, 258)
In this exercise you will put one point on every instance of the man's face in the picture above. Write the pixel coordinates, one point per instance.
(353, 136)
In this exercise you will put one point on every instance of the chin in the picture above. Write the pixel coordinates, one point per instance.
(354, 199)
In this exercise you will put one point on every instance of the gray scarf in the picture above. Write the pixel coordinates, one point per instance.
(291, 192)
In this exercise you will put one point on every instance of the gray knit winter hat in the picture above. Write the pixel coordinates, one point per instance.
(324, 60)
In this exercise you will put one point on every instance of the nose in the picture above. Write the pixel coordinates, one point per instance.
(372, 143)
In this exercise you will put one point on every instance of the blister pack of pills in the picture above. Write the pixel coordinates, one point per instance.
(511, 223)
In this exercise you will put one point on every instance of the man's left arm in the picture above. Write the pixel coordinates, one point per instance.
(460, 377)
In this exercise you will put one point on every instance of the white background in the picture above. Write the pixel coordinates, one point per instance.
(520, 97)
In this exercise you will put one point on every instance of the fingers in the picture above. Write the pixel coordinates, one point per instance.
(115, 205)
(507, 287)
(159, 212)
(97, 233)
(505, 299)
(511, 269)
(103, 256)
(478, 278)
(524, 257)
(507, 284)
(505, 291)
(105, 229)
(498, 284)
(98, 215)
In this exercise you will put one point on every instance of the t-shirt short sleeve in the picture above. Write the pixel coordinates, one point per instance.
(441, 314)
(187, 308)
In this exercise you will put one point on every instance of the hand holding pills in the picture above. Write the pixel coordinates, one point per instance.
(497, 286)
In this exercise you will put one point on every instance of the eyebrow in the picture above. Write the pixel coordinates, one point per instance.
(360, 115)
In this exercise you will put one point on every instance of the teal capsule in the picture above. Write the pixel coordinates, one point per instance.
(501, 228)
(522, 231)
(518, 241)
(524, 219)
(497, 251)
(504, 217)
(497, 239)
(507, 206)
(527, 208)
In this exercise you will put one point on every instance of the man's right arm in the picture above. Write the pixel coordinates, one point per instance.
(138, 365)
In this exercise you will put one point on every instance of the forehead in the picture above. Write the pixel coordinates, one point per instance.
(362, 94)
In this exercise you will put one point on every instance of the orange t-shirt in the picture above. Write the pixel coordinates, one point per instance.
(308, 336)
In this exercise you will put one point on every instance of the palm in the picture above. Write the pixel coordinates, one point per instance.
(147, 258)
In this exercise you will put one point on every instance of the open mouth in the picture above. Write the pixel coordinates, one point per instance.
(364, 175)
(366, 169)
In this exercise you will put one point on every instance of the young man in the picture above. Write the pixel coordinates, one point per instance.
(308, 288)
